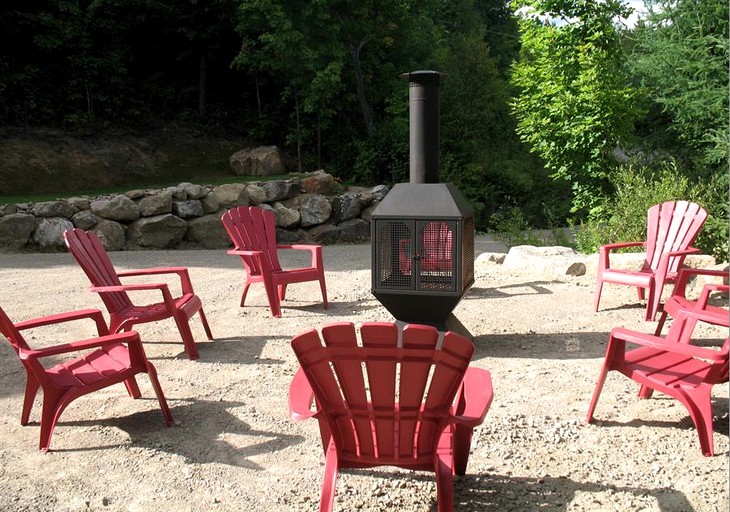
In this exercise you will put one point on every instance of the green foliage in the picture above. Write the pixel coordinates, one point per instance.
(512, 229)
(639, 187)
(575, 105)
(713, 195)
(680, 55)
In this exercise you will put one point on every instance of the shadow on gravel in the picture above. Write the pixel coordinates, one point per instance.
(238, 350)
(510, 290)
(720, 424)
(220, 435)
(509, 493)
(569, 345)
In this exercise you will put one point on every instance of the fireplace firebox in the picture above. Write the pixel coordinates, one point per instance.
(423, 232)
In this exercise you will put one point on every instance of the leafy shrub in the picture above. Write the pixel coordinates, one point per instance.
(637, 188)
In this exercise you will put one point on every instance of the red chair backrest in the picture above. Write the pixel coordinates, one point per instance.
(88, 251)
(253, 229)
(671, 226)
(372, 391)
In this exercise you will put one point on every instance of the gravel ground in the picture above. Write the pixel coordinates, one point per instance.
(233, 446)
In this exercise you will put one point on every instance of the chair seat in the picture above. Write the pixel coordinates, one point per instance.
(91, 368)
(188, 303)
(666, 368)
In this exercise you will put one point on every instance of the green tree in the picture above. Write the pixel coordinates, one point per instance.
(680, 55)
(574, 105)
(334, 62)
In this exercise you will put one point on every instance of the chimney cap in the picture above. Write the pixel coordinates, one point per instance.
(423, 74)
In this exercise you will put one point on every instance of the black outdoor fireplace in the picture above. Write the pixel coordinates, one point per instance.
(423, 231)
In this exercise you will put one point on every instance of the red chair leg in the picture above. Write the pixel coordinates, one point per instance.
(699, 406)
(652, 303)
(444, 485)
(597, 299)
(132, 387)
(462, 444)
(323, 287)
(183, 326)
(597, 393)
(246, 286)
(271, 294)
(329, 483)
(54, 402)
(152, 372)
(204, 320)
(31, 390)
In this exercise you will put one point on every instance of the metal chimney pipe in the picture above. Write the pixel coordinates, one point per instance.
(423, 112)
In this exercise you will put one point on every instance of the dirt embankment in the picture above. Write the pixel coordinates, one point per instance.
(54, 162)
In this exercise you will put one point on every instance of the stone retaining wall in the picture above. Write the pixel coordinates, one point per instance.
(313, 208)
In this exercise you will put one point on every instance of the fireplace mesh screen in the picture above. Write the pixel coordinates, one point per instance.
(417, 255)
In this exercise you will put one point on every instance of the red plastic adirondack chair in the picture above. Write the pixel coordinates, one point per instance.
(253, 233)
(671, 228)
(107, 359)
(90, 254)
(673, 366)
(413, 406)
(678, 300)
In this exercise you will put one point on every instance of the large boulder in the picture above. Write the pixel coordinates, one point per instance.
(345, 207)
(324, 234)
(85, 219)
(314, 209)
(15, 230)
(259, 161)
(189, 209)
(231, 194)
(354, 230)
(111, 234)
(278, 190)
(54, 209)
(318, 182)
(49, 233)
(555, 260)
(156, 204)
(286, 217)
(159, 232)
(119, 208)
(256, 194)
(193, 191)
(208, 232)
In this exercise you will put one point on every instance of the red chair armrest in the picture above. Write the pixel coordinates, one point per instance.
(166, 295)
(649, 340)
(619, 245)
(300, 247)
(301, 397)
(685, 273)
(76, 346)
(315, 249)
(182, 272)
(93, 314)
(474, 398)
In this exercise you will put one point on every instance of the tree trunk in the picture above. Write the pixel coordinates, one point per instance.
(299, 129)
(360, 86)
(202, 85)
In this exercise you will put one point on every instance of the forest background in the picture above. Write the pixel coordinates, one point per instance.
(553, 113)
